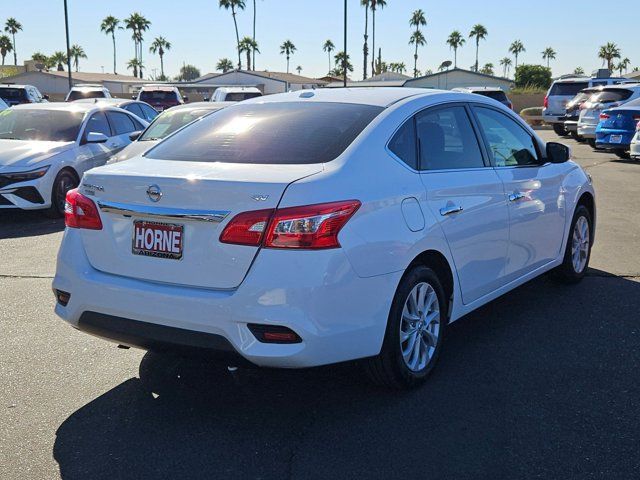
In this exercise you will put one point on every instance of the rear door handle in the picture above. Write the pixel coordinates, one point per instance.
(515, 196)
(449, 210)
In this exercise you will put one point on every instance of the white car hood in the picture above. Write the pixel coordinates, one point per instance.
(26, 154)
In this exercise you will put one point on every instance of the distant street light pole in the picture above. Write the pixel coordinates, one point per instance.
(344, 59)
(66, 26)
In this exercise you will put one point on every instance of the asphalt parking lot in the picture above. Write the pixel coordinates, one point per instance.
(542, 383)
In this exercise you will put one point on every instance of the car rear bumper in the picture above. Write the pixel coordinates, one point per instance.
(603, 140)
(571, 126)
(586, 130)
(338, 315)
(635, 147)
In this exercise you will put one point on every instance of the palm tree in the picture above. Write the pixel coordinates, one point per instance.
(12, 26)
(224, 65)
(455, 41)
(329, 47)
(487, 69)
(624, 65)
(299, 69)
(548, 54)
(234, 5)
(5, 46)
(341, 60)
(578, 71)
(608, 53)
(480, 33)
(418, 40)
(506, 64)
(254, 36)
(248, 46)
(516, 49)
(401, 67)
(77, 52)
(109, 26)
(59, 59)
(287, 48)
(374, 5)
(39, 58)
(365, 47)
(160, 46)
(138, 24)
(135, 65)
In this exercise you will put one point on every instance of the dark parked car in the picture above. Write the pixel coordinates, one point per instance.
(16, 94)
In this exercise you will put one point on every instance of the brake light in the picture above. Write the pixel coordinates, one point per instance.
(546, 101)
(638, 127)
(604, 116)
(636, 118)
(307, 227)
(81, 212)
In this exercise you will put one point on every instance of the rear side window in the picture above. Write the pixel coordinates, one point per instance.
(270, 133)
(121, 123)
(611, 96)
(568, 88)
(135, 109)
(403, 144)
(148, 112)
(446, 140)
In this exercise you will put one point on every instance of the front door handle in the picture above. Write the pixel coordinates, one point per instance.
(450, 209)
(515, 196)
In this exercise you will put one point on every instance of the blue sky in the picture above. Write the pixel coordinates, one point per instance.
(201, 33)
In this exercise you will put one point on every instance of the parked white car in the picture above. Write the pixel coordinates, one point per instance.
(635, 144)
(45, 149)
(82, 91)
(308, 228)
(3, 105)
(609, 97)
(235, 94)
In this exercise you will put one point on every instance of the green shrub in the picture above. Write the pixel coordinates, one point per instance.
(532, 112)
(533, 76)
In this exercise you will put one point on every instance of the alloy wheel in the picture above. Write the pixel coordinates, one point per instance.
(420, 327)
(580, 244)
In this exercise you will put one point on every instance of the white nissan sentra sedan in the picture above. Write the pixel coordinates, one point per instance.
(46, 147)
(322, 226)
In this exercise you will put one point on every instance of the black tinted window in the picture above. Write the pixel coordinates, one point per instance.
(611, 96)
(158, 96)
(97, 124)
(509, 143)
(121, 123)
(271, 133)
(40, 124)
(240, 96)
(13, 94)
(447, 140)
(403, 144)
(76, 95)
(499, 96)
(135, 109)
(568, 88)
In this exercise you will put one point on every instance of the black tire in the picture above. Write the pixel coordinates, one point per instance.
(566, 272)
(623, 154)
(389, 368)
(559, 129)
(64, 181)
(580, 139)
(592, 142)
(574, 136)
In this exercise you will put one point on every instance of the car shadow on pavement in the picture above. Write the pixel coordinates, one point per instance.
(542, 382)
(24, 223)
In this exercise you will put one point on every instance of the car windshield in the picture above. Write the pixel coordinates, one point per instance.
(13, 93)
(611, 96)
(239, 96)
(158, 96)
(496, 95)
(78, 94)
(271, 133)
(567, 88)
(40, 124)
(170, 121)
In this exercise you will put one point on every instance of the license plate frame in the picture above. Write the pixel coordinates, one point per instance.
(615, 139)
(169, 250)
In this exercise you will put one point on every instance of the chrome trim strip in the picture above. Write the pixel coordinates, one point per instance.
(215, 216)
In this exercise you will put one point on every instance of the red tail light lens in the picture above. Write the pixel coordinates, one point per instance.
(307, 227)
(638, 126)
(546, 102)
(81, 212)
(247, 228)
(604, 116)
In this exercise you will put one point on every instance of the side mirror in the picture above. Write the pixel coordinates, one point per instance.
(45, 96)
(186, 99)
(134, 97)
(558, 153)
(133, 136)
(205, 99)
(96, 137)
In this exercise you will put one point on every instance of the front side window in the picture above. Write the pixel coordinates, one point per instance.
(446, 140)
(40, 124)
(509, 144)
(121, 123)
(270, 133)
(98, 124)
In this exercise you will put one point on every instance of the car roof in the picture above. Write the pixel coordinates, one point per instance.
(163, 88)
(624, 86)
(238, 89)
(80, 107)
(375, 96)
(13, 85)
(479, 89)
(107, 101)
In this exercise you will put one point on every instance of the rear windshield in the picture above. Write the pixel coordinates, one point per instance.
(568, 88)
(499, 96)
(13, 93)
(168, 122)
(611, 96)
(271, 133)
(239, 96)
(158, 96)
(77, 94)
(40, 124)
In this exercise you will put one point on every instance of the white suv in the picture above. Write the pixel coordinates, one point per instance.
(235, 94)
(562, 91)
(81, 91)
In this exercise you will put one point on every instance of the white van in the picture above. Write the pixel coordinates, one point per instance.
(235, 94)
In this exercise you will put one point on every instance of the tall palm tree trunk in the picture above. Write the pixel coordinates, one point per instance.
(162, 65)
(287, 63)
(254, 37)
(373, 41)
(15, 53)
(455, 57)
(235, 23)
(477, 48)
(140, 59)
(415, 62)
(365, 48)
(113, 37)
(249, 59)
(329, 55)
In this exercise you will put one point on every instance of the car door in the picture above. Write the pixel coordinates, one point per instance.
(533, 188)
(466, 196)
(122, 125)
(92, 155)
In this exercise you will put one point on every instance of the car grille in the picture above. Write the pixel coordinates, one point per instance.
(30, 194)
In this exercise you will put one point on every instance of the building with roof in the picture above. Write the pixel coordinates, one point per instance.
(635, 75)
(266, 82)
(384, 79)
(56, 84)
(457, 78)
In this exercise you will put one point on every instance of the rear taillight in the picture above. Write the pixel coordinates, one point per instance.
(604, 116)
(307, 227)
(546, 101)
(638, 127)
(636, 118)
(81, 212)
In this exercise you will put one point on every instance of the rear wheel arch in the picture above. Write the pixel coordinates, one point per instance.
(440, 265)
